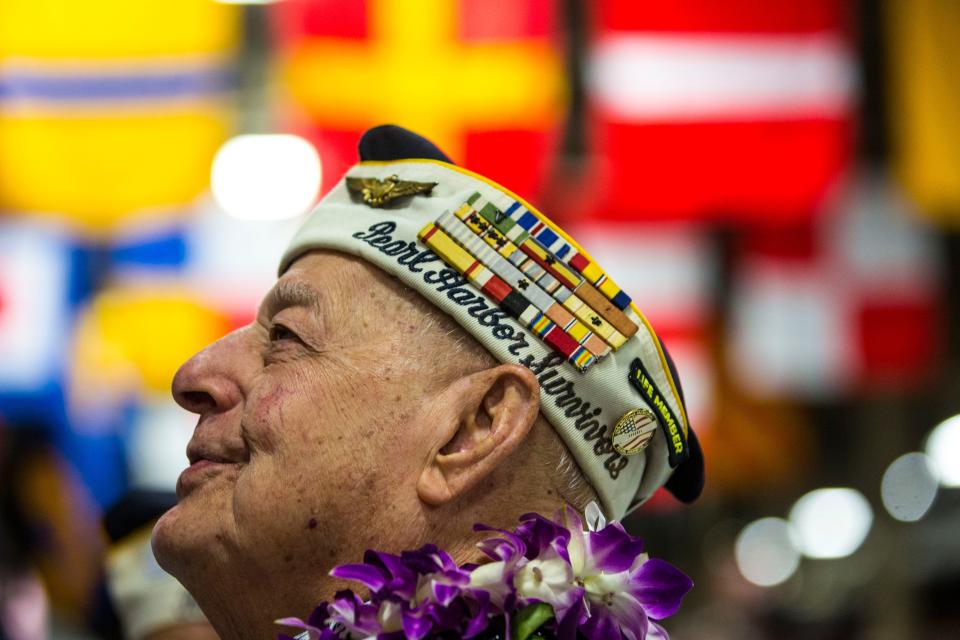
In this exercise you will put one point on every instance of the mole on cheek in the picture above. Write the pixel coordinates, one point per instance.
(312, 523)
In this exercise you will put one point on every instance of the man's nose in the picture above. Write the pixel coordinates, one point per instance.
(212, 380)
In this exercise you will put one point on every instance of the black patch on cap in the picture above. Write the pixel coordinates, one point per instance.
(642, 381)
(389, 142)
(686, 482)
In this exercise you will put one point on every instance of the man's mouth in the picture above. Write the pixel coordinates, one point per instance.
(200, 470)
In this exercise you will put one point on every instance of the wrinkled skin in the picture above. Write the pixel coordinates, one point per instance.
(315, 425)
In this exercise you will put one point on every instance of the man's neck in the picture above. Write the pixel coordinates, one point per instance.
(248, 612)
(251, 614)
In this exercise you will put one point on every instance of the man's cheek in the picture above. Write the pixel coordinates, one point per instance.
(270, 415)
(273, 494)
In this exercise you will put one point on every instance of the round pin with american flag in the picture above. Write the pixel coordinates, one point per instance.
(634, 431)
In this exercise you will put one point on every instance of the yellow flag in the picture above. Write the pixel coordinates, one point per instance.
(924, 41)
(111, 111)
(130, 340)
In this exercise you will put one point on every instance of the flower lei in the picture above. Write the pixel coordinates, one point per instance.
(544, 580)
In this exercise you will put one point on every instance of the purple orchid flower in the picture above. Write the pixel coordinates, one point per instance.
(598, 582)
(495, 578)
(315, 626)
(547, 576)
(358, 618)
(383, 573)
(623, 588)
(440, 579)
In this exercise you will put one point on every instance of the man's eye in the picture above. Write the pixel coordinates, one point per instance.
(280, 332)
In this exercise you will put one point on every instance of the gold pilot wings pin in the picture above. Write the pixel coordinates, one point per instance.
(377, 193)
(536, 276)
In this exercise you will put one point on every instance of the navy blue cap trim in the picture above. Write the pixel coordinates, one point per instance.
(389, 142)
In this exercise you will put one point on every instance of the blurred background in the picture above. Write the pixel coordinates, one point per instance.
(777, 184)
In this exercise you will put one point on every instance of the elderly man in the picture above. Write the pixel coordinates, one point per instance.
(406, 378)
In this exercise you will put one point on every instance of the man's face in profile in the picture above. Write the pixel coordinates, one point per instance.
(297, 445)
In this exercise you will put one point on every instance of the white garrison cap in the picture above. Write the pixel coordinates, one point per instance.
(530, 295)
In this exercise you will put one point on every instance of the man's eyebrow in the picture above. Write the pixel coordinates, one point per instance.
(291, 294)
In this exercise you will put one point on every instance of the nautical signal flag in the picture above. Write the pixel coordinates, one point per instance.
(34, 307)
(849, 303)
(733, 111)
(924, 46)
(130, 340)
(484, 81)
(111, 110)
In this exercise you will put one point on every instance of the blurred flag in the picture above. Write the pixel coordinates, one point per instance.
(850, 304)
(232, 281)
(111, 111)
(790, 334)
(158, 250)
(132, 339)
(483, 80)
(737, 110)
(924, 45)
(34, 270)
(894, 266)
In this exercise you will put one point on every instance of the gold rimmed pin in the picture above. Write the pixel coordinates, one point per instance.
(634, 431)
(377, 193)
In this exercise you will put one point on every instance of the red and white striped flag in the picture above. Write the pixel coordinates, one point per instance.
(848, 304)
(737, 110)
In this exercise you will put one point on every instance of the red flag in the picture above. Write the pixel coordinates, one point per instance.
(738, 110)
(847, 304)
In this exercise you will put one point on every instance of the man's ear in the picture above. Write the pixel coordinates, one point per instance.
(479, 419)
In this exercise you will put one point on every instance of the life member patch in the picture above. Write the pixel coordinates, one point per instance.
(672, 429)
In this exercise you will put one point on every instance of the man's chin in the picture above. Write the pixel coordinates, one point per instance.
(185, 539)
(168, 540)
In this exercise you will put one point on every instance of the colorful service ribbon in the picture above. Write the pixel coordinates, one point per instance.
(536, 276)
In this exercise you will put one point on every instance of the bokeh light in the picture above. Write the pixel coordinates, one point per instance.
(909, 487)
(943, 447)
(266, 177)
(831, 522)
(766, 552)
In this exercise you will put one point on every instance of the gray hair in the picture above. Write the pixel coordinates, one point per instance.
(571, 483)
